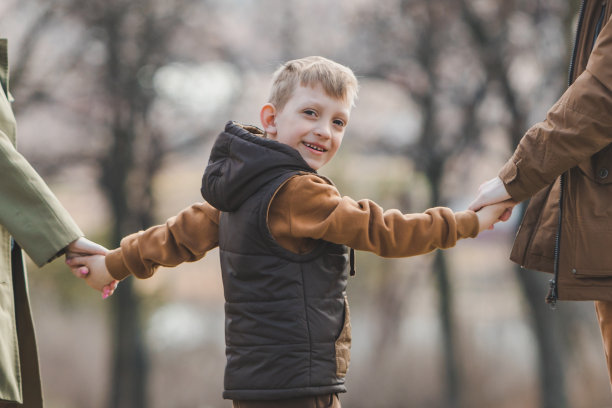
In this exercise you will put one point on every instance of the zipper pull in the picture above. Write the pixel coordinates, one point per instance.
(551, 297)
(352, 262)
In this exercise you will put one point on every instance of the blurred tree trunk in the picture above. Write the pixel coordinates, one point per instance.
(129, 368)
(431, 160)
(445, 301)
(433, 166)
(551, 350)
(429, 156)
(550, 345)
(130, 362)
(452, 396)
(131, 161)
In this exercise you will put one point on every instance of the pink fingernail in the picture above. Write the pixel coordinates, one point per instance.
(83, 271)
(104, 295)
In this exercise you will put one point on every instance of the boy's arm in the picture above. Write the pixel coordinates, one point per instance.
(183, 238)
(317, 211)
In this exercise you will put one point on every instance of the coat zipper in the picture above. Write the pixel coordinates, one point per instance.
(599, 24)
(574, 46)
(553, 294)
(551, 297)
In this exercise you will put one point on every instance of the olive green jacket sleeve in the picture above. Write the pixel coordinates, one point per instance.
(29, 211)
(576, 127)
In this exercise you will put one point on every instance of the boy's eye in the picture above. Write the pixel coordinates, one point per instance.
(310, 112)
(339, 122)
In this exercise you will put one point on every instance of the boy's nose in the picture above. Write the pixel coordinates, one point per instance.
(323, 131)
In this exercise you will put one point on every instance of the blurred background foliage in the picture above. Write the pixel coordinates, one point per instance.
(119, 101)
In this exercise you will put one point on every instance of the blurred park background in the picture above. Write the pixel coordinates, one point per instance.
(119, 101)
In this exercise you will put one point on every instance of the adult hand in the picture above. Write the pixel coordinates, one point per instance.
(82, 247)
(491, 192)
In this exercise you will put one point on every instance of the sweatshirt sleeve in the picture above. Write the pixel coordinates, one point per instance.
(576, 127)
(186, 237)
(317, 211)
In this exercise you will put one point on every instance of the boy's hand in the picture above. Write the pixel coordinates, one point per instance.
(92, 268)
(491, 214)
(77, 254)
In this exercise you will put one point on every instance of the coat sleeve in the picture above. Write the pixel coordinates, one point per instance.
(186, 237)
(317, 211)
(29, 210)
(576, 127)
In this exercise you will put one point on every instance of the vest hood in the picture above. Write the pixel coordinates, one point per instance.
(241, 162)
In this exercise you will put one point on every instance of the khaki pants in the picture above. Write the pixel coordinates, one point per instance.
(321, 401)
(604, 316)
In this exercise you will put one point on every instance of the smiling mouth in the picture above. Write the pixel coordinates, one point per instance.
(314, 147)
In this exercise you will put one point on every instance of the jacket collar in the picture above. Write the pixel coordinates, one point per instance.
(242, 160)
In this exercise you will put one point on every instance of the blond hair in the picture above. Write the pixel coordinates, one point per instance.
(337, 80)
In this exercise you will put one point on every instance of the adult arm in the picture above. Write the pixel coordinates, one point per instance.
(576, 127)
(29, 210)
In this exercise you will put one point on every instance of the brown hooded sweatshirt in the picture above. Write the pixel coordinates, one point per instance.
(306, 208)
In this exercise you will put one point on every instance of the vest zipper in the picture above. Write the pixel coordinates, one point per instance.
(352, 262)
(553, 294)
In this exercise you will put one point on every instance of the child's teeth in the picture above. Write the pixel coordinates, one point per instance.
(314, 147)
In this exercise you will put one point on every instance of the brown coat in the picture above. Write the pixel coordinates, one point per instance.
(305, 208)
(574, 140)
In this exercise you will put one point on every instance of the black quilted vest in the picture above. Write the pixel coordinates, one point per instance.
(284, 312)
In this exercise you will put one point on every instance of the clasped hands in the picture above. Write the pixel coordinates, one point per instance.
(86, 260)
(492, 203)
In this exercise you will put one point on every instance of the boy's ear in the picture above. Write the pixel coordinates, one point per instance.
(267, 116)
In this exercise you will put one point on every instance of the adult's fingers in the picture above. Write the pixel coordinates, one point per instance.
(477, 204)
(83, 246)
(490, 192)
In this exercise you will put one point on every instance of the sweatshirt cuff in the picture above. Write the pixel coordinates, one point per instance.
(509, 175)
(467, 224)
(116, 265)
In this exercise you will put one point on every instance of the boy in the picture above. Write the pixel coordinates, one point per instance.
(282, 230)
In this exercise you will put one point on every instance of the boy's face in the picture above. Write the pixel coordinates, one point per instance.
(311, 122)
